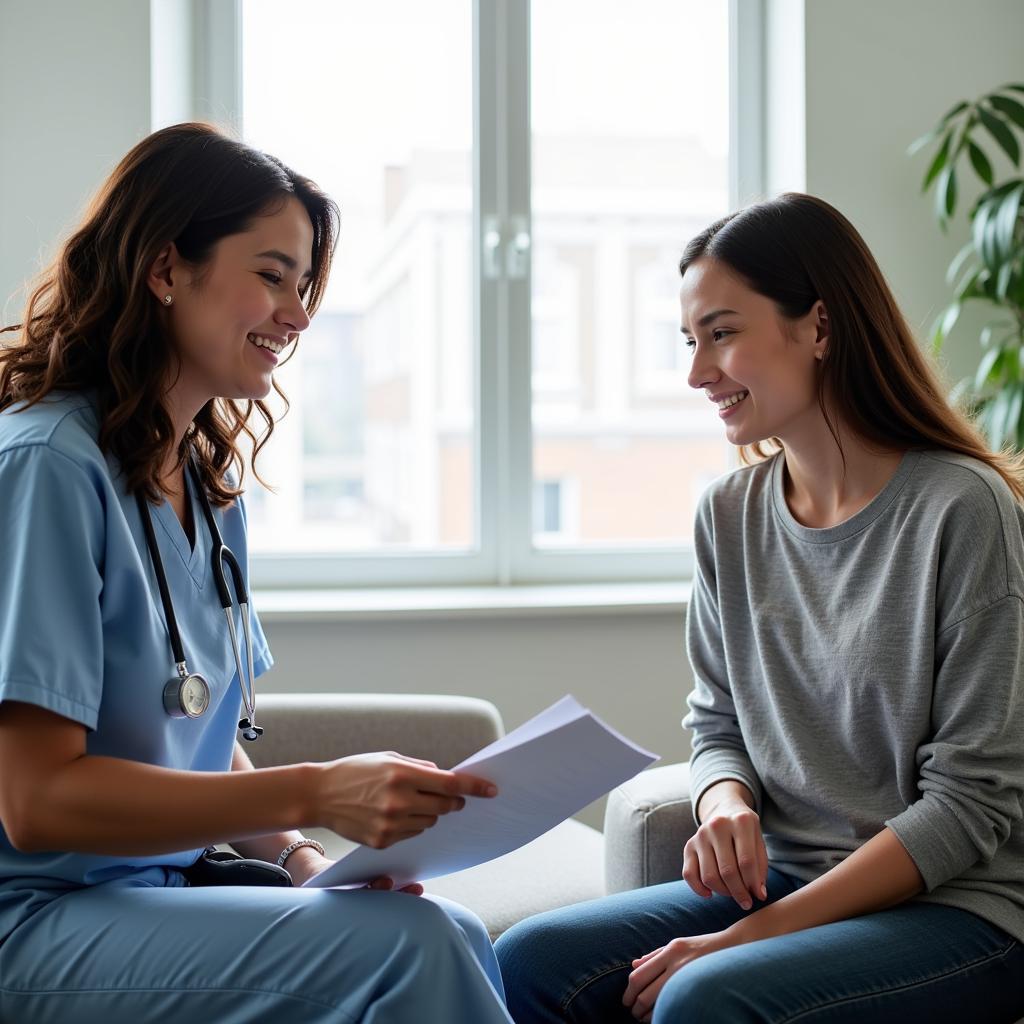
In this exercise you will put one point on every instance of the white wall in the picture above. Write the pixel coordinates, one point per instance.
(74, 98)
(880, 73)
(75, 95)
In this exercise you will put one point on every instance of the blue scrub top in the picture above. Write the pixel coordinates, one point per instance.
(82, 629)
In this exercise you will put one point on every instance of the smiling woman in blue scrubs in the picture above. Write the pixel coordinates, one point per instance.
(155, 335)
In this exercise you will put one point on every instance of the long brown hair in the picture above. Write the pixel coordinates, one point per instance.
(92, 322)
(796, 249)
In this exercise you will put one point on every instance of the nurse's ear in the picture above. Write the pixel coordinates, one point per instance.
(165, 274)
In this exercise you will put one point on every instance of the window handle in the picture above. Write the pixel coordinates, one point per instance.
(517, 257)
(491, 248)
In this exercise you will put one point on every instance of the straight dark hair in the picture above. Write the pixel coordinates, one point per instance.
(92, 322)
(796, 249)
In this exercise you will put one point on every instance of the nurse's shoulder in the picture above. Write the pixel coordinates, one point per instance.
(64, 422)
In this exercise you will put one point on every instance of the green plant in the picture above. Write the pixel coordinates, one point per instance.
(990, 267)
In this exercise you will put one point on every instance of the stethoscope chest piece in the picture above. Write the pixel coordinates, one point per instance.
(188, 696)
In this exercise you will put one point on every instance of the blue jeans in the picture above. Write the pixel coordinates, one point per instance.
(914, 962)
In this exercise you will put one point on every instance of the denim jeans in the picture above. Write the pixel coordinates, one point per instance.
(913, 962)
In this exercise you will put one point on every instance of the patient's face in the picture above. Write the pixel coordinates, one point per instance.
(745, 352)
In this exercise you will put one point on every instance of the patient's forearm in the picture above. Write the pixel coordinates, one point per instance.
(878, 875)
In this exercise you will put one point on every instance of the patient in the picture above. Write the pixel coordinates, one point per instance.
(856, 633)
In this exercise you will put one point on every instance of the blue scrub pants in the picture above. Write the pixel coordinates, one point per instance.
(913, 962)
(130, 953)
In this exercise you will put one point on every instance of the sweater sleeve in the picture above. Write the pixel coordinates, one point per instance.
(971, 773)
(719, 751)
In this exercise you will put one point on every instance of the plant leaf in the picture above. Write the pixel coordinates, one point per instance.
(949, 319)
(953, 111)
(945, 194)
(1013, 109)
(999, 130)
(986, 367)
(1011, 425)
(979, 231)
(1005, 221)
(1016, 86)
(1003, 281)
(961, 393)
(921, 141)
(958, 262)
(980, 162)
(997, 420)
(938, 162)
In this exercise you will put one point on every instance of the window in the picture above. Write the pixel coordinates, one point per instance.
(494, 388)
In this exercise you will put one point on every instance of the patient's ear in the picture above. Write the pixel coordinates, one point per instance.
(823, 330)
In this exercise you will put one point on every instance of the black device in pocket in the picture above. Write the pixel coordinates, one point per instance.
(221, 867)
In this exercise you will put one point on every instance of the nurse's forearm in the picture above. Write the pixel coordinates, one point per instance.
(111, 806)
(266, 847)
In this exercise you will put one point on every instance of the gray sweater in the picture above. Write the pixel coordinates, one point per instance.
(870, 674)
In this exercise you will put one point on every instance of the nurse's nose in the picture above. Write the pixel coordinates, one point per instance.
(292, 315)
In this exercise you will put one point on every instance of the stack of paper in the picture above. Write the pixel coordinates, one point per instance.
(546, 770)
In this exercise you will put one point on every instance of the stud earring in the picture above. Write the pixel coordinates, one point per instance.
(168, 299)
(817, 355)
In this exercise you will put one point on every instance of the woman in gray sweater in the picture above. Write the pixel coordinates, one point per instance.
(856, 632)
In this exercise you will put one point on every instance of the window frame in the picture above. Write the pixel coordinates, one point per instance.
(503, 457)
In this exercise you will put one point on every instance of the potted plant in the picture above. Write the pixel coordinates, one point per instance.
(990, 267)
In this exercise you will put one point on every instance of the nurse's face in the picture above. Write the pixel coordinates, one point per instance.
(756, 366)
(249, 294)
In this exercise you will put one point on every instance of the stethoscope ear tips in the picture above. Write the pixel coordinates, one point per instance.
(249, 731)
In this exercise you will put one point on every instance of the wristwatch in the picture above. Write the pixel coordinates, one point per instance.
(292, 847)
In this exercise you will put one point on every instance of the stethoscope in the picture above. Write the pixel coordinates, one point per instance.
(188, 695)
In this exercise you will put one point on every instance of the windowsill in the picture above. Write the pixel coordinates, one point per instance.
(396, 603)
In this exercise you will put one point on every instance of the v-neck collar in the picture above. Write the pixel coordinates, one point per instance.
(191, 557)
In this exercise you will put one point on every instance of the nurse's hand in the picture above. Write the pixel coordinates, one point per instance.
(380, 799)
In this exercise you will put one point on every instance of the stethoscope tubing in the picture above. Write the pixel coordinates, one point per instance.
(221, 554)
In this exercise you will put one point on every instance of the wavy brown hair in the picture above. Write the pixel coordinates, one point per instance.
(92, 323)
(796, 249)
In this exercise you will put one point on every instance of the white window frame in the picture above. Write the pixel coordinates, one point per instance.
(503, 462)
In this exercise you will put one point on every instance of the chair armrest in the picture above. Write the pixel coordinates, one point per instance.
(324, 726)
(647, 822)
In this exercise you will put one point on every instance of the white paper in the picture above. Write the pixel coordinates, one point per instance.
(546, 770)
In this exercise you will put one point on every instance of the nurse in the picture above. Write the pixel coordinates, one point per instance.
(152, 340)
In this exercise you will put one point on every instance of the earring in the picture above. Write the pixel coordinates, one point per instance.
(819, 356)
(168, 299)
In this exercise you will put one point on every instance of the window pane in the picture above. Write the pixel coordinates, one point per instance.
(630, 128)
(374, 102)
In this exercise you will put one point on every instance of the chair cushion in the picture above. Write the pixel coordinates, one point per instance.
(563, 866)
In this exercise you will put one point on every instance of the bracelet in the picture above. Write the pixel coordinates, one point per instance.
(292, 847)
